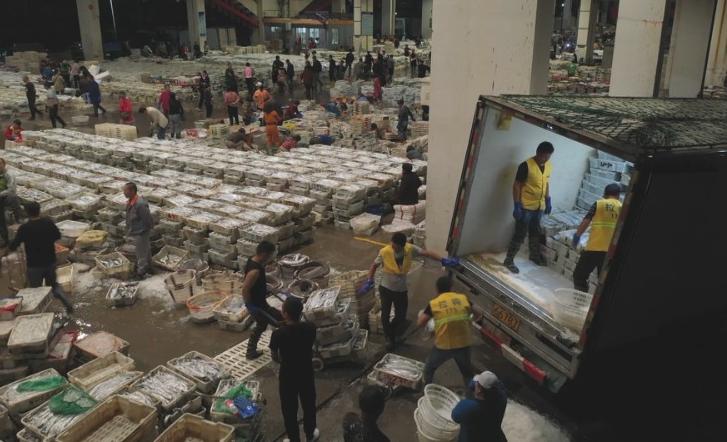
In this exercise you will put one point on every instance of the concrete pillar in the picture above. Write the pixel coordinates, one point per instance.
(717, 65)
(586, 30)
(89, 21)
(689, 48)
(260, 13)
(567, 18)
(388, 17)
(427, 18)
(636, 48)
(197, 23)
(512, 57)
(338, 7)
(361, 43)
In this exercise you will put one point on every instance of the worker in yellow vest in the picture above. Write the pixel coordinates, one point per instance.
(602, 218)
(531, 195)
(452, 330)
(396, 260)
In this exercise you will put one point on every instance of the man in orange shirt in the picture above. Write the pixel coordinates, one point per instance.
(272, 119)
(261, 96)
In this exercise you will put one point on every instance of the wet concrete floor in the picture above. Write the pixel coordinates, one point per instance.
(157, 331)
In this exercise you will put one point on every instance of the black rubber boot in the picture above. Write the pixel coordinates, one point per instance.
(510, 265)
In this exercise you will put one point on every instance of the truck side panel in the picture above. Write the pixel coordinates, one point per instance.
(671, 253)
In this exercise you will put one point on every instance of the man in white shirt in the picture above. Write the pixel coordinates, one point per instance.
(159, 121)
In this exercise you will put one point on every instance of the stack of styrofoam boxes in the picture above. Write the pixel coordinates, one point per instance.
(26, 60)
(278, 181)
(196, 229)
(420, 234)
(348, 201)
(250, 236)
(604, 169)
(111, 130)
(303, 219)
(322, 191)
(419, 129)
(336, 322)
(222, 239)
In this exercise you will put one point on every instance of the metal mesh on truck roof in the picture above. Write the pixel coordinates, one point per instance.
(645, 123)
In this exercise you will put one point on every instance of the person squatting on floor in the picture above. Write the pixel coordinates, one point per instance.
(39, 235)
(602, 217)
(255, 292)
(531, 198)
(291, 346)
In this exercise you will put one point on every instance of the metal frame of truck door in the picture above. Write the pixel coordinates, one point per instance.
(536, 332)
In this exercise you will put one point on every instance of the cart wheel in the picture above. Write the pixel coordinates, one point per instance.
(318, 364)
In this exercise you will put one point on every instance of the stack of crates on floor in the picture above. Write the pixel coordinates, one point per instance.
(322, 191)
(196, 232)
(303, 218)
(222, 410)
(29, 338)
(250, 236)
(603, 170)
(111, 130)
(222, 240)
(349, 284)
(336, 322)
(348, 201)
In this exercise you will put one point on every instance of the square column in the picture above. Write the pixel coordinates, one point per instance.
(636, 48)
(586, 24)
(717, 64)
(197, 23)
(689, 48)
(361, 42)
(89, 22)
(388, 17)
(427, 18)
(512, 39)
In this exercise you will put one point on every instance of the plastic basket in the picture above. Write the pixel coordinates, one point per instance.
(122, 301)
(225, 312)
(436, 406)
(180, 285)
(100, 369)
(349, 282)
(571, 307)
(35, 300)
(64, 277)
(201, 307)
(34, 420)
(31, 333)
(203, 385)
(17, 402)
(169, 258)
(224, 387)
(114, 265)
(191, 427)
(392, 378)
(165, 402)
(116, 419)
(422, 435)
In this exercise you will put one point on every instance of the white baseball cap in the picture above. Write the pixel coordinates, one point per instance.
(258, 84)
(486, 379)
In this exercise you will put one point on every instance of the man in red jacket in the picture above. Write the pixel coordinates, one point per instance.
(14, 132)
(165, 99)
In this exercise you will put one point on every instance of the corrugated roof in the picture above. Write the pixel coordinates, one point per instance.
(641, 123)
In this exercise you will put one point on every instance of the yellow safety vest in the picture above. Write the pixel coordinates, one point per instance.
(603, 224)
(388, 256)
(451, 313)
(533, 193)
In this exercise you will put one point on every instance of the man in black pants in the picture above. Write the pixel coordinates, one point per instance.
(396, 260)
(292, 347)
(254, 292)
(30, 94)
(602, 217)
(39, 236)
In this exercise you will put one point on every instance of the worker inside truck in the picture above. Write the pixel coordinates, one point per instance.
(602, 218)
(531, 198)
